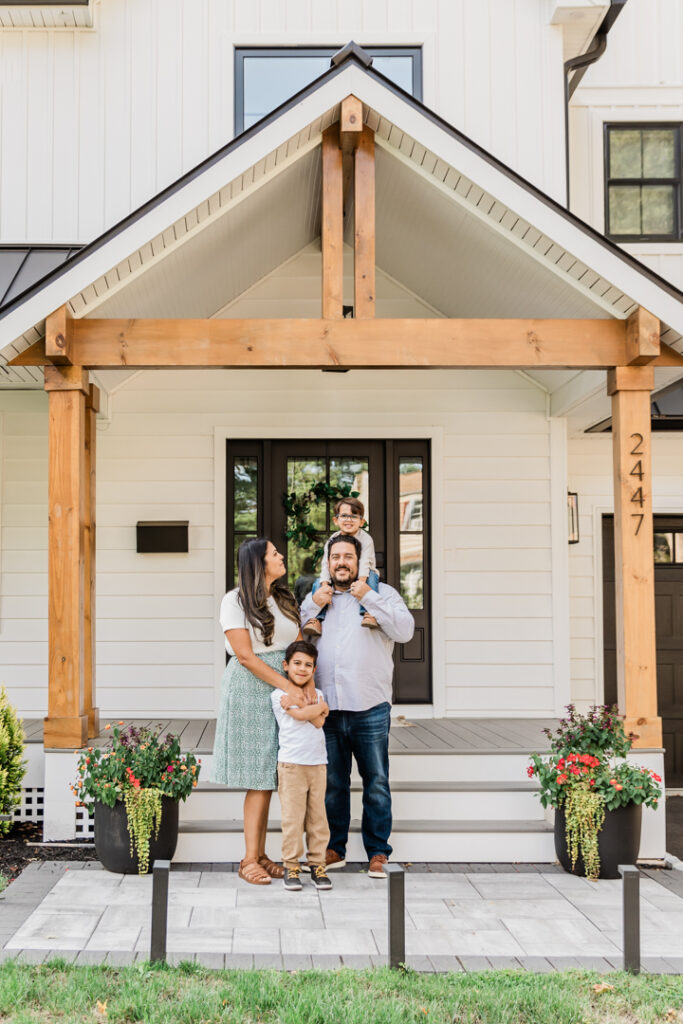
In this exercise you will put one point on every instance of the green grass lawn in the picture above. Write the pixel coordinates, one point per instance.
(192, 995)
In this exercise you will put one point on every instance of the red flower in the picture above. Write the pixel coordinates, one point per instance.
(657, 778)
(530, 771)
(561, 779)
(573, 757)
(618, 787)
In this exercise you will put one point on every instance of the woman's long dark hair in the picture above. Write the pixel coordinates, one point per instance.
(253, 594)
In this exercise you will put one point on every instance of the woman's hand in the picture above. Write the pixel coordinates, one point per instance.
(299, 695)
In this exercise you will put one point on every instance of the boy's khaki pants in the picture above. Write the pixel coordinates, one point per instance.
(301, 788)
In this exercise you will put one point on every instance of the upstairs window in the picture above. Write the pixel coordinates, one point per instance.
(265, 78)
(643, 182)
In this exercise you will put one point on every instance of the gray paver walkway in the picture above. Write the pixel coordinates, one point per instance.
(455, 920)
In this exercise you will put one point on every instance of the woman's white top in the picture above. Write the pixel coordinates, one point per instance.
(232, 617)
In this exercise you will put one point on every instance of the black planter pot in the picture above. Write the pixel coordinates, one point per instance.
(112, 841)
(618, 841)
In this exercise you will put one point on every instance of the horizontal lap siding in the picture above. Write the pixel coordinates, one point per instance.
(157, 628)
(590, 474)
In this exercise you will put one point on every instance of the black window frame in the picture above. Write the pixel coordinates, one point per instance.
(315, 51)
(677, 181)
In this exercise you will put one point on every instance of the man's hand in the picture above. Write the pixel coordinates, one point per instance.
(323, 595)
(359, 589)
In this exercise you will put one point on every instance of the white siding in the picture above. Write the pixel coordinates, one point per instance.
(590, 474)
(156, 614)
(96, 122)
(639, 78)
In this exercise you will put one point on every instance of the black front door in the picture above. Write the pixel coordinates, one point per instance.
(668, 557)
(392, 478)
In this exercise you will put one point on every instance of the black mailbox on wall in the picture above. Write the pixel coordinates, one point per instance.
(169, 536)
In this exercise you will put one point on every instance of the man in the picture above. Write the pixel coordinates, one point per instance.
(355, 669)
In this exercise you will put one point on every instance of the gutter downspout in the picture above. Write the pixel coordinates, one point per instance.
(580, 65)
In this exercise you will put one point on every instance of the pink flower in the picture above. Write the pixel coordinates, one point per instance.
(170, 768)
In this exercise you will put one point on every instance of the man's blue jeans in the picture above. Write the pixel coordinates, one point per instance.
(365, 736)
(373, 583)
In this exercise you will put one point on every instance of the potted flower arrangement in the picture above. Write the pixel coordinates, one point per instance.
(598, 796)
(133, 787)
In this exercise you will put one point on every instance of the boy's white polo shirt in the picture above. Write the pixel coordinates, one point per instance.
(299, 742)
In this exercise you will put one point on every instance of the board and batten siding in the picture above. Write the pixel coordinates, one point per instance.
(157, 634)
(94, 122)
(639, 78)
(590, 474)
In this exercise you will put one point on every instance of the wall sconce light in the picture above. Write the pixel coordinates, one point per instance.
(573, 517)
(162, 537)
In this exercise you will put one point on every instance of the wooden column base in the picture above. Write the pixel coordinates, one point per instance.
(648, 731)
(62, 733)
(93, 722)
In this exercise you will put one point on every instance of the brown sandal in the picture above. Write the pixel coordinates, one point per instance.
(269, 866)
(252, 872)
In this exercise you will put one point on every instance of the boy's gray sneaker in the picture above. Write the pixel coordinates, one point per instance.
(319, 877)
(292, 879)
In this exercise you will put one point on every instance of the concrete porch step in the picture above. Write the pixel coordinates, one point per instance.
(496, 841)
(411, 800)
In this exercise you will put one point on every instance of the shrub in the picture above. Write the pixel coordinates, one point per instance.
(12, 766)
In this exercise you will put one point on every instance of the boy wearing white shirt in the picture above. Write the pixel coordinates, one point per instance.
(302, 771)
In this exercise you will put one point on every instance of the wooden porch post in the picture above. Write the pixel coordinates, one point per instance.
(92, 406)
(332, 228)
(364, 226)
(66, 724)
(630, 388)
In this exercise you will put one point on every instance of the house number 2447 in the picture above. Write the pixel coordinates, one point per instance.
(638, 498)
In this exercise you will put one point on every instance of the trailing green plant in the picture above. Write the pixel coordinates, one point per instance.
(143, 811)
(298, 509)
(139, 767)
(12, 765)
(584, 777)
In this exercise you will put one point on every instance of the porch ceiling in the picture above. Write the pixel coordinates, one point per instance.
(454, 226)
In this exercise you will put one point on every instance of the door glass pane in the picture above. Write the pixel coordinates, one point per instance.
(624, 210)
(303, 565)
(302, 474)
(411, 555)
(625, 153)
(658, 209)
(245, 476)
(351, 473)
(659, 147)
(410, 496)
(239, 538)
(664, 548)
(679, 547)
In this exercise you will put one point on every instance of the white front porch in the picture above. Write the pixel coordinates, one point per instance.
(460, 793)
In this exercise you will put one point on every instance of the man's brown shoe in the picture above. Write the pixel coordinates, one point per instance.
(312, 628)
(333, 860)
(376, 868)
(369, 621)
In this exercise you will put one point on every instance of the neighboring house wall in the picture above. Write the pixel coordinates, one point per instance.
(97, 121)
(590, 474)
(638, 79)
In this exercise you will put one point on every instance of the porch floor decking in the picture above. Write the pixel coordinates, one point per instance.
(415, 736)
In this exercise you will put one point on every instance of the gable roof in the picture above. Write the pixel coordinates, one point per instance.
(454, 224)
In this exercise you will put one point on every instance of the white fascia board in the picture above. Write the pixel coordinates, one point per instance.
(176, 205)
(524, 203)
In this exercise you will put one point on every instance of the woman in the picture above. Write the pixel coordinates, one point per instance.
(260, 618)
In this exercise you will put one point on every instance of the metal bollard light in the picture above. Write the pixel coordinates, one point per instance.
(160, 870)
(631, 905)
(397, 914)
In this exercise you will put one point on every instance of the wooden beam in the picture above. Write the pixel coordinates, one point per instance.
(66, 724)
(92, 406)
(631, 389)
(364, 227)
(351, 118)
(58, 335)
(332, 227)
(642, 337)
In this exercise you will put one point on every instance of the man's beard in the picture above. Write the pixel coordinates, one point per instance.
(345, 583)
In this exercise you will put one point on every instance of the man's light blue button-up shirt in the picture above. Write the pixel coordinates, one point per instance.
(355, 665)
